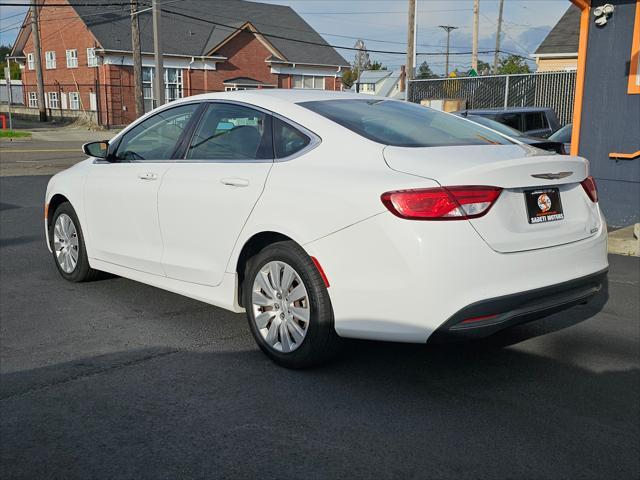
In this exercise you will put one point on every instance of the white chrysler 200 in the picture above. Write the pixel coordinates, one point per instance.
(326, 215)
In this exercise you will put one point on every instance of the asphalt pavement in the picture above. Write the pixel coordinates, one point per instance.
(51, 148)
(115, 379)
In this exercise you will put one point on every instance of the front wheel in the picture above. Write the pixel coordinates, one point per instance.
(288, 307)
(67, 244)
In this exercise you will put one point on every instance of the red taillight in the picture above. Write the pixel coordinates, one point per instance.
(589, 185)
(450, 203)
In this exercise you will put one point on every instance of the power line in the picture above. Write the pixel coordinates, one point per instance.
(308, 42)
(110, 4)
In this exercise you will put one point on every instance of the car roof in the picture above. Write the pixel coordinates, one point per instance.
(285, 95)
(482, 111)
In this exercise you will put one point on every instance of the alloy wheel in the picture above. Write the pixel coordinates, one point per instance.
(65, 243)
(281, 309)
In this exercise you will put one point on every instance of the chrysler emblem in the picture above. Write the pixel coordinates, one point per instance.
(552, 176)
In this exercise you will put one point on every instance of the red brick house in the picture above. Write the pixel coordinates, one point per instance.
(212, 45)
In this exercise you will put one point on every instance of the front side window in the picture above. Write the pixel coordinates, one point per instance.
(404, 124)
(287, 140)
(31, 63)
(72, 58)
(92, 60)
(156, 137)
(50, 58)
(33, 99)
(74, 101)
(231, 132)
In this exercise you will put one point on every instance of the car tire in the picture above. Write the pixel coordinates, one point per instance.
(68, 247)
(291, 317)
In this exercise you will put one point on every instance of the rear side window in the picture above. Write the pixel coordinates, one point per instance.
(231, 132)
(404, 124)
(287, 140)
(513, 120)
(535, 121)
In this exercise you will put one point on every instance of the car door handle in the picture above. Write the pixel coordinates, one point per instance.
(235, 182)
(148, 176)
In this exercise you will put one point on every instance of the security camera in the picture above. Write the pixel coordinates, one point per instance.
(603, 13)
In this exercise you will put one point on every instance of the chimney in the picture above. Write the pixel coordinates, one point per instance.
(403, 78)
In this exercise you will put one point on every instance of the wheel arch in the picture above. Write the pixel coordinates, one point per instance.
(251, 247)
(55, 201)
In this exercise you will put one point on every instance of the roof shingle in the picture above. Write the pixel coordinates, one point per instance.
(564, 36)
(198, 36)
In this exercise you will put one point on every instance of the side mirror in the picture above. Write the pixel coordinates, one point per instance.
(96, 149)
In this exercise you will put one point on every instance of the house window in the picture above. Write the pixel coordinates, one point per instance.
(368, 87)
(74, 101)
(172, 82)
(308, 81)
(54, 100)
(33, 99)
(50, 58)
(31, 62)
(92, 60)
(72, 58)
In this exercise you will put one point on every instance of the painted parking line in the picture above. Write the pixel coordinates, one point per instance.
(43, 150)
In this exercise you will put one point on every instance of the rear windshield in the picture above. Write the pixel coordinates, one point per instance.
(403, 124)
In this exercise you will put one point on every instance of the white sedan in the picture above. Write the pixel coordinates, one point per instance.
(325, 215)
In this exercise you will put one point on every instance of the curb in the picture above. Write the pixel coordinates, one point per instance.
(625, 241)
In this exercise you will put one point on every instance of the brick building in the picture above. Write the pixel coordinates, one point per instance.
(208, 46)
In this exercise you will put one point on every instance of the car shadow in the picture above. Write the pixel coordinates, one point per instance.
(382, 411)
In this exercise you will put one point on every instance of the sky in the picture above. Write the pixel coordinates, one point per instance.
(382, 24)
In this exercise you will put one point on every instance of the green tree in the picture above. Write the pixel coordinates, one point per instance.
(349, 77)
(377, 66)
(483, 68)
(512, 65)
(424, 71)
(5, 51)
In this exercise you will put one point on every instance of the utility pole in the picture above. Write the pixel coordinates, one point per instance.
(496, 55)
(158, 84)
(411, 40)
(7, 76)
(448, 29)
(476, 32)
(137, 59)
(37, 60)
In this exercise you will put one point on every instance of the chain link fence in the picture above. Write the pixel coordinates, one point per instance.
(549, 89)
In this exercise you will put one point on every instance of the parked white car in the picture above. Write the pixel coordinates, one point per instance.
(326, 215)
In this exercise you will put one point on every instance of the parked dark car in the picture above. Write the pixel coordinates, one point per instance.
(533, 121)
(564, 136)
(542, 143)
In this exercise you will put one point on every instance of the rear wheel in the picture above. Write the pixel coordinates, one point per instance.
(67, 244)
(288, 307)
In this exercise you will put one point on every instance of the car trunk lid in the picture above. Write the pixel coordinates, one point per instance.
(519, 170)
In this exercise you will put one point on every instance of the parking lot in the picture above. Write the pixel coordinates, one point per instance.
(115, 378)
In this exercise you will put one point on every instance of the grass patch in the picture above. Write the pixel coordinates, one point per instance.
(14, 134)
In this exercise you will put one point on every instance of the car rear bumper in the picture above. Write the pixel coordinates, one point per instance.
(487, 317)
(400, 280)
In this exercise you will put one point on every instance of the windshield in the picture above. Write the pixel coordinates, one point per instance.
(563, 135)
(495, 125)
(403, 124)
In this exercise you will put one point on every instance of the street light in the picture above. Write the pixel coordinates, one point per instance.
(448, 29)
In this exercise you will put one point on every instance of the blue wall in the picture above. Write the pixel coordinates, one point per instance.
(610, 116)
